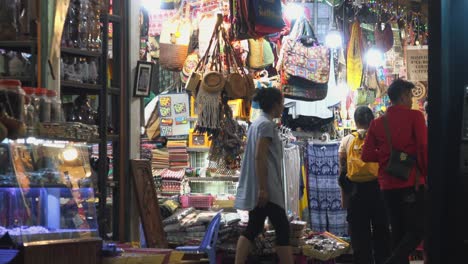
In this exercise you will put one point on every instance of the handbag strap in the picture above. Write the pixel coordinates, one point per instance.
(387, 131)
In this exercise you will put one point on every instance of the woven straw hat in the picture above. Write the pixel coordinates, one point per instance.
(213, 82)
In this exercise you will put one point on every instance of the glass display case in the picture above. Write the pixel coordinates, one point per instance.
(46, 191)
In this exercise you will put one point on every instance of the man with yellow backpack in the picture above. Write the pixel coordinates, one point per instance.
(367, 217)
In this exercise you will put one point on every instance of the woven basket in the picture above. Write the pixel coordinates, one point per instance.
(172, 56)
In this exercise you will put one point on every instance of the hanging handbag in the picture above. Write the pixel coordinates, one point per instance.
(383, 38)
(400, 164)
(239, 84)
(174, 41)
(303, 57)
(310, 63)
(260, 54)
(354, 64)
(302, 89)
(304, 84)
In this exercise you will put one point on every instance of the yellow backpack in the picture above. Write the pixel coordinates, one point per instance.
(358, 170)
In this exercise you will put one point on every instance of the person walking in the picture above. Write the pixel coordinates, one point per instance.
(398, 142)
(260, 189)
(367, 216)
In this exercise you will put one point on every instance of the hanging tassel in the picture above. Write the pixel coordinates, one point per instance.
(208, 109)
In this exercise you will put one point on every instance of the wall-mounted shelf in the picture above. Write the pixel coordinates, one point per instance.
(215, 178)
(81, 52)
(20, 45)
(72, 87)
(204, 149)
(20, 78)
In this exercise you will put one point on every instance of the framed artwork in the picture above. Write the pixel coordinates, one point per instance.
(147, 197)
(198, 140)
(144, 73)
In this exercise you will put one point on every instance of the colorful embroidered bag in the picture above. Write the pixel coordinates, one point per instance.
(311, 63)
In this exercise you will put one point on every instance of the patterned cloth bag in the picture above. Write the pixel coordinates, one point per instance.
(311, 63)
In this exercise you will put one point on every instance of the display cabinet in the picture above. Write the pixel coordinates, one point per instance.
(47, 201)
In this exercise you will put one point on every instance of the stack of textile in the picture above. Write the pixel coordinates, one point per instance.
(160, 159)
(187, 226)
(178, 156)
(228, 228)
(172, 181)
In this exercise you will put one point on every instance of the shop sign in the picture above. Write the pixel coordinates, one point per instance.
(417, 63)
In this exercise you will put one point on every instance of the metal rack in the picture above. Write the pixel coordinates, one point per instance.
(27, 46)
(110, 94)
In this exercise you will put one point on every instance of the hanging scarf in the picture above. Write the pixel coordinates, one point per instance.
(354, 60)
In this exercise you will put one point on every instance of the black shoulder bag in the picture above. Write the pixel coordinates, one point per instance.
(400, 163)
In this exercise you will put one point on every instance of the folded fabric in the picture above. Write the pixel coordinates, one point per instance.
(230, 218)
(179, 215)
(172, 228)
(173, 174)
(199, 228)
(205, 217)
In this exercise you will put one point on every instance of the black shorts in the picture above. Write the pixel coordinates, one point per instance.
(277, 216)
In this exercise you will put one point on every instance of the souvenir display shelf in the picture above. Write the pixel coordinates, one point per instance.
(47, 203)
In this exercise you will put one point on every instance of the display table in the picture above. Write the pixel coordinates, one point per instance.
(70, 251)
(145, 256)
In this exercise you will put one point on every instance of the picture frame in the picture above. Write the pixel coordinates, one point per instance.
(143, 79)
(198, 140)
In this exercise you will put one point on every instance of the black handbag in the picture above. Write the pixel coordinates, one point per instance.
(400, 163)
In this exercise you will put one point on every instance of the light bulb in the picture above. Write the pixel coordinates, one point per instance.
(333, 40)
(70, 154)
(375, 57)
(293, 11)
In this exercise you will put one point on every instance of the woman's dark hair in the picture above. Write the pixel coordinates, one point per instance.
(363, 116)
(398, 88)
(267, 98)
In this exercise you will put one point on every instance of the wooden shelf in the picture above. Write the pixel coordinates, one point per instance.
(216, 178)
(20, 78)
(71, 87)
(18, 45)
(204, 149)
(81, 52)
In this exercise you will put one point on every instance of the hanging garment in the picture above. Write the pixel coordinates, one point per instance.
(304, 201)
(324, 194)
(354, 57)
(292, 174)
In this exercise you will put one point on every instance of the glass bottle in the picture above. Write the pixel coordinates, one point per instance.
(44, 105)
(56, 114)
(30, 118)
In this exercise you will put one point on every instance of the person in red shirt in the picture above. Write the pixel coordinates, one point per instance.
(404, 199)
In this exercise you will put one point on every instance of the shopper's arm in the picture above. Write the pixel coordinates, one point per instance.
(420, 131)
(369, 150)
(261, 169)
